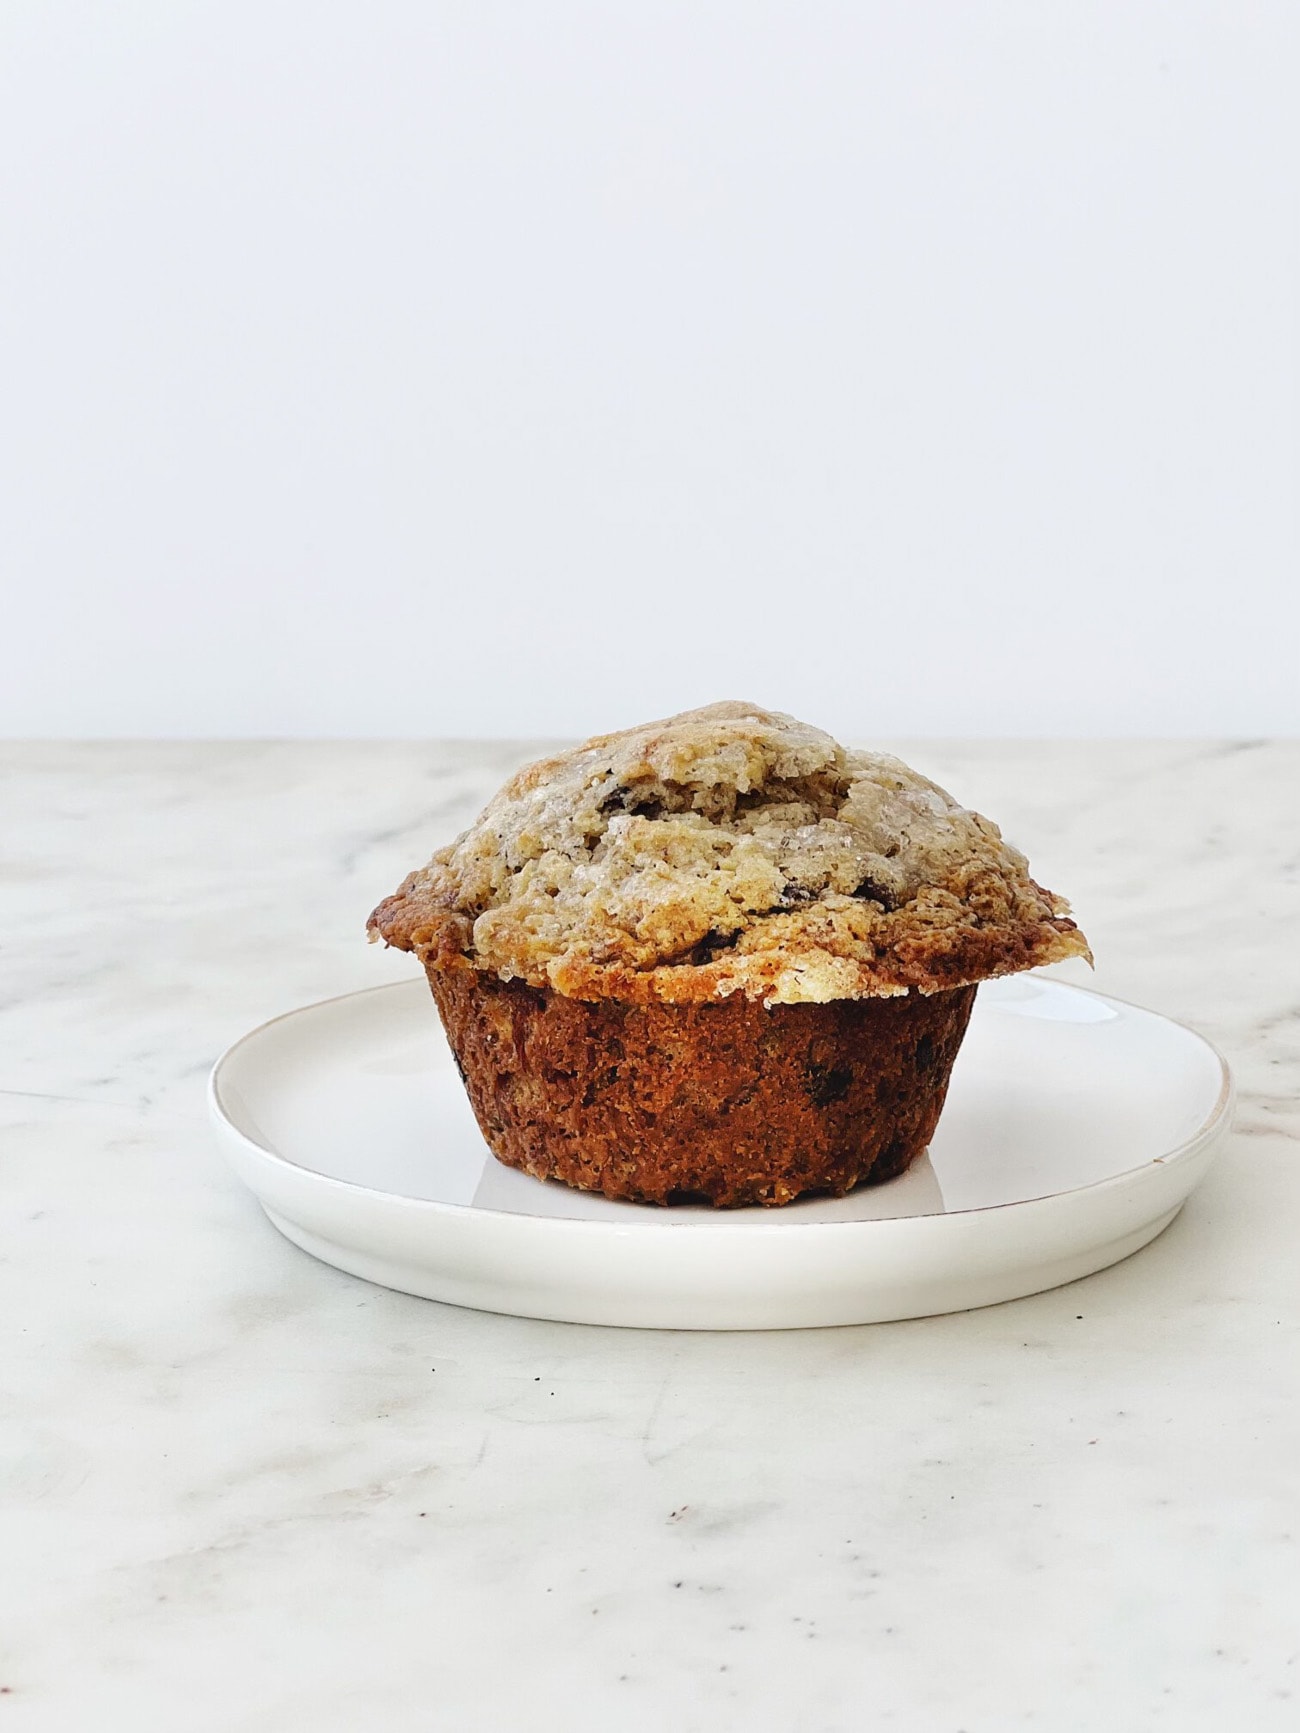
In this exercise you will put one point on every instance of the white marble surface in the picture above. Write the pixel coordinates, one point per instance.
(243, 1493)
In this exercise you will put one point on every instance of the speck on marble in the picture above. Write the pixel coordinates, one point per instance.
(243, 1493)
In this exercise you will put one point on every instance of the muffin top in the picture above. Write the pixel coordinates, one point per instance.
(729, 849)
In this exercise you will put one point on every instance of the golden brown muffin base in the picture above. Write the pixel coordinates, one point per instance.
(728, 1103)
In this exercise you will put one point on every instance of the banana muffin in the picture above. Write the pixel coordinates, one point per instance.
(718, 958)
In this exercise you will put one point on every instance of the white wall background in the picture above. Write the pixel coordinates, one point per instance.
(399, 368)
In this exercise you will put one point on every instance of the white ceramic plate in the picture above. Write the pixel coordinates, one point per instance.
(1075, 1128)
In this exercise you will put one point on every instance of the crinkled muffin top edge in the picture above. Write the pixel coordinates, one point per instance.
(728, 849)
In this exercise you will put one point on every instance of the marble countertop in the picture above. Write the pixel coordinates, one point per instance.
(241, 1492)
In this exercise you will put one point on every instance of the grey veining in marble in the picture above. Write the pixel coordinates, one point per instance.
(243, 1493)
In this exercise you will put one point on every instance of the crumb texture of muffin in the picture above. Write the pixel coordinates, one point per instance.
(727, 1104)
(728, 851)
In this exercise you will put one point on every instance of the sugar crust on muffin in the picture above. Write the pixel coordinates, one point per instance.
(727, 850)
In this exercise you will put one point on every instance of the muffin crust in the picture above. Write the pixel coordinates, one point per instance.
(727, 851)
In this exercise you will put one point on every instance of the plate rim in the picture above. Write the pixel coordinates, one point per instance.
(1209, 1128)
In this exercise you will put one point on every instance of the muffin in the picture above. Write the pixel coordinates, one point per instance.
(717, 959)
